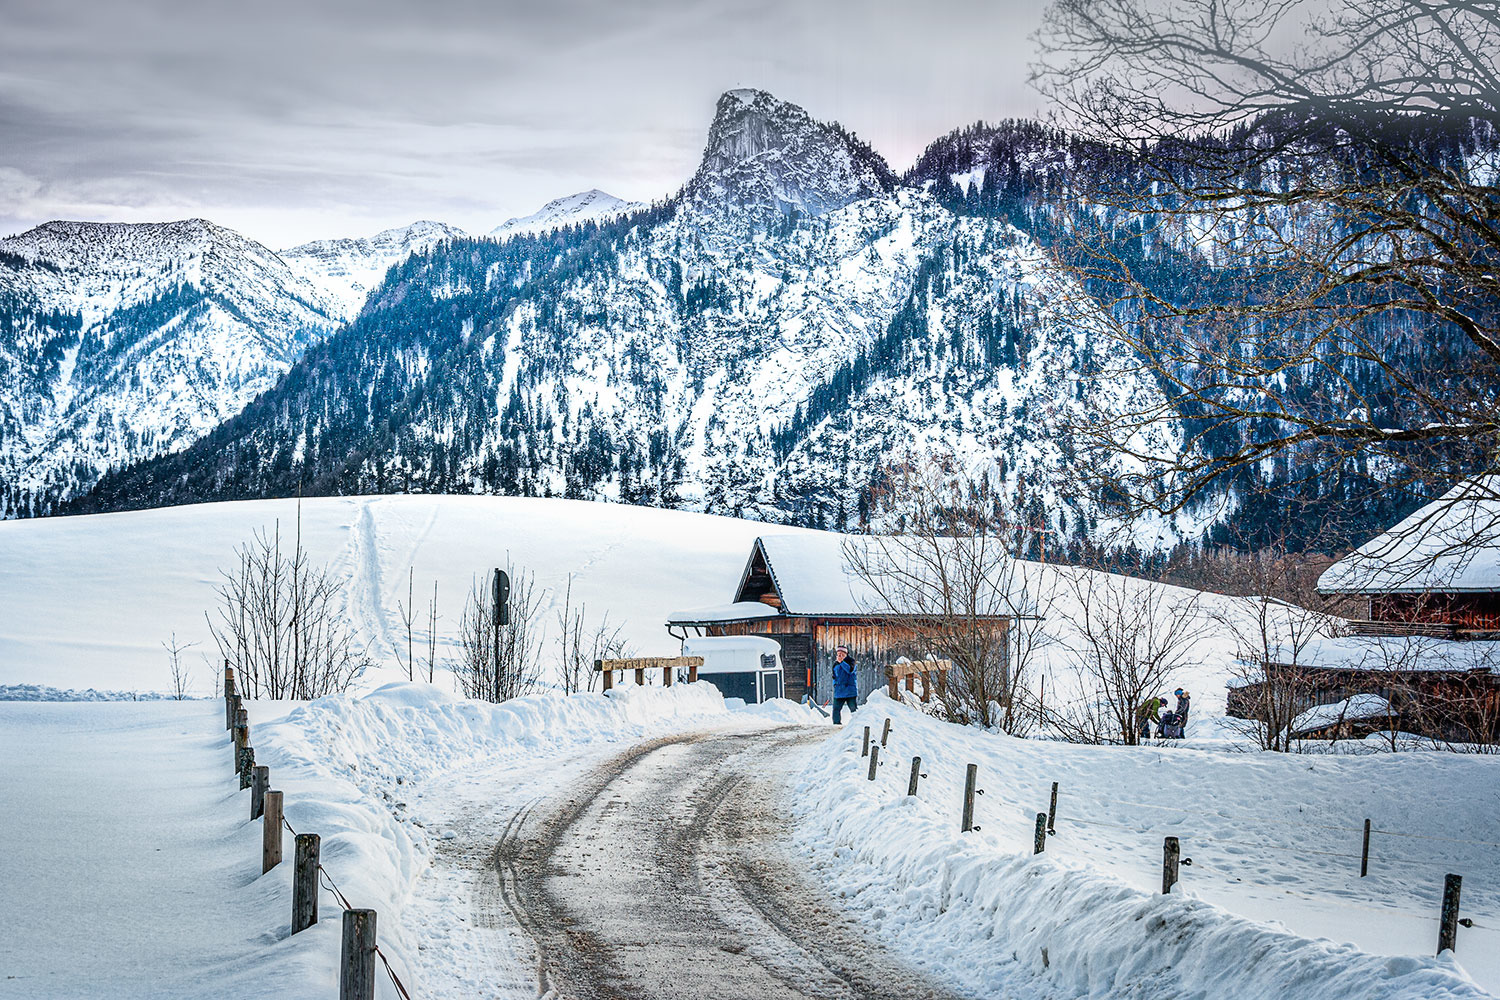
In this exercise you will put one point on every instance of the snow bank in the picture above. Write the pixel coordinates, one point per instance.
(1083, 919)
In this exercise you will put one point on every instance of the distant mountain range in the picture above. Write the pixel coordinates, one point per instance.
(772, 340)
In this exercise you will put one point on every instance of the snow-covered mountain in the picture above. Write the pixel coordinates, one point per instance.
(120, 342)
(345, 270)
(592, 205)
(772, 342)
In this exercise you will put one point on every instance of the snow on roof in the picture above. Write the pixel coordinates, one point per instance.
(1359, 706)
(813, 577)
(738, 612)
(1450, 545)
(1396, 653)
(727, 654)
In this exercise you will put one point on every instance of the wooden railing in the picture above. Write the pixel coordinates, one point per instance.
(910, 670)
(668, 665)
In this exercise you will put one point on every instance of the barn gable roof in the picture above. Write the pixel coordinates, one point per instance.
(1452, 545)
(811, 575)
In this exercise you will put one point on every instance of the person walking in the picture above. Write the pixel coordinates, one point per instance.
(845, 684)
(1184, 700)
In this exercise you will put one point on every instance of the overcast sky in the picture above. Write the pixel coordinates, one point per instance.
(292, 120)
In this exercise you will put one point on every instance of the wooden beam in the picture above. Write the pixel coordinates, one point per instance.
(913, 667)
(649, 663)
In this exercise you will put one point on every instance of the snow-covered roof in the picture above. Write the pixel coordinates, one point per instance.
(728, 654)
(1359, 706)
(1396, 653)
(813, 576)
(738, 612)
(1451, 545)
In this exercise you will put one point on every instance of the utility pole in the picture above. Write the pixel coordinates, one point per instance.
(501, 617)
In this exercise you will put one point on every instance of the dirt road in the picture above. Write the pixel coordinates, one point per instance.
(667, 872)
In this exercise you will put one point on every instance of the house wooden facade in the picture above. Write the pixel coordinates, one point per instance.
(800, 591)
(1429, 644)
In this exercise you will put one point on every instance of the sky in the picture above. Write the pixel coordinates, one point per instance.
(293, 120)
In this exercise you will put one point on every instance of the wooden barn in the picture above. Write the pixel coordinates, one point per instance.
(799, 590)
(1436, 573)
(1429, 643)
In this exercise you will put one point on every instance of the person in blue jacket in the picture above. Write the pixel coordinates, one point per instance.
(845, 687)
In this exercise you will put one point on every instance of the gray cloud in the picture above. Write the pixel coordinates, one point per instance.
(299, 120)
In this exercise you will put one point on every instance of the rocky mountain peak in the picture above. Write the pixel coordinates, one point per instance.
(766, 157)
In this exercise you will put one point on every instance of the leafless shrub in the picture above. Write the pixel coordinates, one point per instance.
(949, 587)
(579, 644)
(279, 624)
(500, 662)
(1129, 637)
(181, 676)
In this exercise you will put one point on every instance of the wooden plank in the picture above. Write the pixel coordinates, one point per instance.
(649, 663)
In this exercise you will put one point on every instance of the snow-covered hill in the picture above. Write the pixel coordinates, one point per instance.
(345, 270)
(126, 341)
(88, 600)
(592, 205)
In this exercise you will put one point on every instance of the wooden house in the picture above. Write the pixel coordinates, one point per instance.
(1429, 643)
(1436, 573)
(800, 590)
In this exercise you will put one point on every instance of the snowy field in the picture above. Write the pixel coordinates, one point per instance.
(86, 602)
(1272, 905)
(137, 866)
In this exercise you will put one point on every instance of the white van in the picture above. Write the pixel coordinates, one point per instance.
(740, 666)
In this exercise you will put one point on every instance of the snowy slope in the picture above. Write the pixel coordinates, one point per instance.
(592, 205)
(1272, 906)
(127, 341)
(345, 270)
(87, 601)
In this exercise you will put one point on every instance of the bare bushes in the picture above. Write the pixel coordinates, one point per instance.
(1128, 638)
(279, 623)
(498, 661)
(949, 589)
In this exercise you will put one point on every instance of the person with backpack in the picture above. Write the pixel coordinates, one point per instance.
(845, 684)
(1149, 712)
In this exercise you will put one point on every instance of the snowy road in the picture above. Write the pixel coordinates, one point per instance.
(665, 872)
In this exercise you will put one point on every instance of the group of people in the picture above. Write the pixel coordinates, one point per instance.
(1169, 725)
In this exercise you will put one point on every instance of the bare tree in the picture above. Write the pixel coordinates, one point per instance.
(1334, 166)
(1129, 637)
(279, 622)
(407, 612)
(498, 662)
(579, 644)
(1280, 616)
(432, 620)
(949, 586)
(181, 676)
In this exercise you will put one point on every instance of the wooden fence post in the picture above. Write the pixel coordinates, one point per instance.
(874, 761)
(1171, 851)
(241, 741)
(1052, 811)
(891, 684)
(247, 764)
(916, 772)
(609, 675)
(260, 780)
(270, 839)
(1039, 843)
(1448, 924)
(305, 881)
(228, 696)
(866, 751)
(970, 791)
(640, 677)
(357, 956)
(885, 733)
(666, 676)
(1364, 854)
